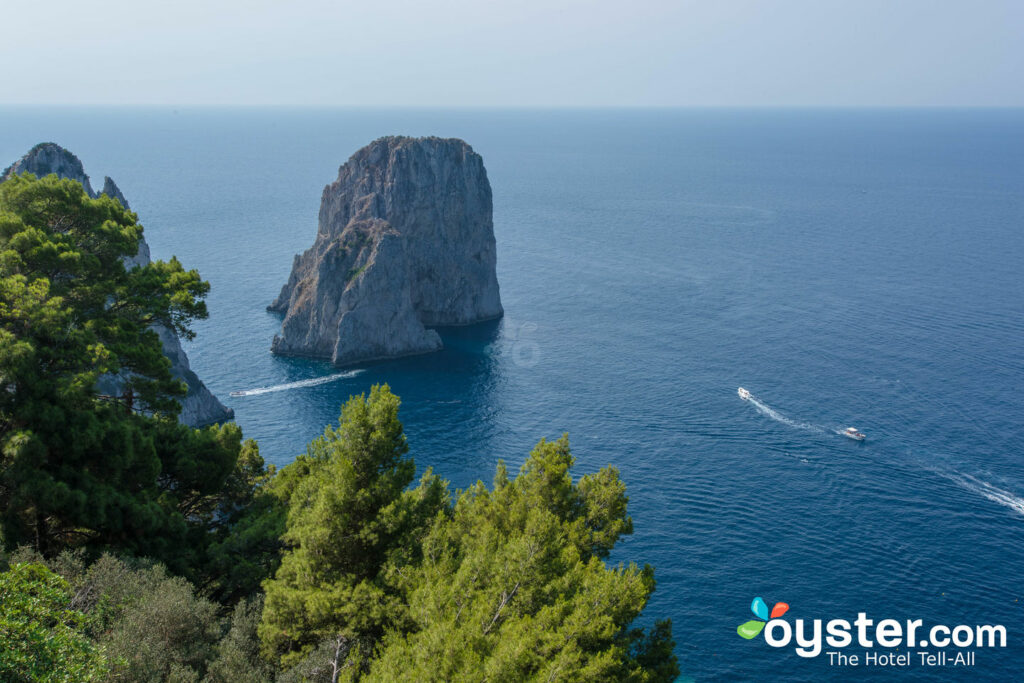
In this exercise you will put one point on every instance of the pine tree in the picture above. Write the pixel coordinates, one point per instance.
(352, 528)
(513, 586)
(78, 468)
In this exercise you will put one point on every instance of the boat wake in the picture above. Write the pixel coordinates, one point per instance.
(990, 491)
(315, 381)
(768, 411)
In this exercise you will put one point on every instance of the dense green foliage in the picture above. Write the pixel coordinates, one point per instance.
(508, 584)
(148, 625)
(351, 526)
(118, 472)
(382, 582)
(513, 587)
(237, 654)
(145, 550)
(41, 639)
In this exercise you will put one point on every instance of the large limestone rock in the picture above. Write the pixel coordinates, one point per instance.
(200, 406)
(405, 241)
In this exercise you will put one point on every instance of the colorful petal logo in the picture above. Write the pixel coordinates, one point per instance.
(752, 628)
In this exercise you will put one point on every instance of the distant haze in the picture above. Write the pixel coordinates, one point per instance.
(532, 53)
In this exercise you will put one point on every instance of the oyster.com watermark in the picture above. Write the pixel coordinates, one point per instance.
(885, 642)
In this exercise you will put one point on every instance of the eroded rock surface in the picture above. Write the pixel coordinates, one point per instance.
(405, 241)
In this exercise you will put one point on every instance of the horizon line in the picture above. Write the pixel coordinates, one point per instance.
(502, 107)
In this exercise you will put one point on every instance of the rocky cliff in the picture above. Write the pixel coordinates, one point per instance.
(405, 241)
(200, 406)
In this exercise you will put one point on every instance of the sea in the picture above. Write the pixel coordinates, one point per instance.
(849, 267)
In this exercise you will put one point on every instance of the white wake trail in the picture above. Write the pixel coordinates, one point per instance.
(990, 491)
(297, 385)
(768, 411)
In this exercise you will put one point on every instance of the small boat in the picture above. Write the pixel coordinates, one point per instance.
(744, 394)
(237, 393)
(852, 433)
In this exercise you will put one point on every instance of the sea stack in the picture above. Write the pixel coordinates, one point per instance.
(199, 407)
(405, 242)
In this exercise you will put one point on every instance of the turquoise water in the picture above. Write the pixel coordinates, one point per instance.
(847, 267)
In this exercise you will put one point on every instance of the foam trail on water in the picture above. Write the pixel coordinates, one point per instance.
(297, 385)
(990, 491)
(768, 411)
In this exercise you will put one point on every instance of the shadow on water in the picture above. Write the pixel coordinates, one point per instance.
(461, 384)
(478, 335)
(458, 384)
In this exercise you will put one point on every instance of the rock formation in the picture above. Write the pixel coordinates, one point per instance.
(200, 406)
(405, 241)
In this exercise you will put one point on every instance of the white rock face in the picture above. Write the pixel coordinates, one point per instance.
(200, 406)
(405, 240)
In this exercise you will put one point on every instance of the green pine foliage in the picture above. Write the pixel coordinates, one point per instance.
(513, 586)
(507, 584)
(78, 469)
(351, 526)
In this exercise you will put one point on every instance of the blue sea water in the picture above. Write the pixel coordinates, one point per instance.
(847, 266)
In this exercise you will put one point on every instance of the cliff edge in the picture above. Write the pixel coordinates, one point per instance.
(200, 406)
(405, 241)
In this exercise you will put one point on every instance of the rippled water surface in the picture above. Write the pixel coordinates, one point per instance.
(847, 267)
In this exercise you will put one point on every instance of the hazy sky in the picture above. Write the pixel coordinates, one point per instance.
(514, 52)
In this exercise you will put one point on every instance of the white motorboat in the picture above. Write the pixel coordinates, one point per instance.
(744, 394)
(852, 433)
